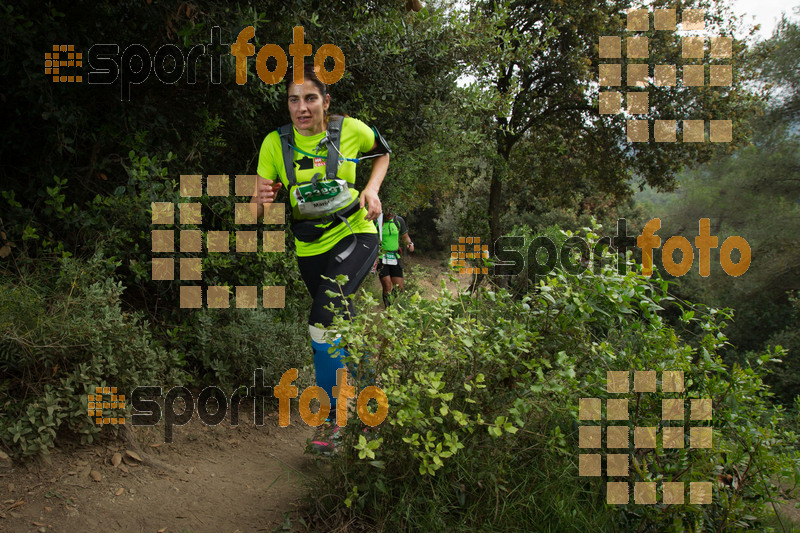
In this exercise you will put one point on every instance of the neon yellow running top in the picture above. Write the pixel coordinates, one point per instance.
(356, 137)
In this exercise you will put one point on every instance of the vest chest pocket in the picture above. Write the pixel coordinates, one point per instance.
(320, 198)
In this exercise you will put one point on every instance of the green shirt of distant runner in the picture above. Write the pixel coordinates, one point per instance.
(394, 230)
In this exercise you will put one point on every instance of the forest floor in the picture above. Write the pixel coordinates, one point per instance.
(220, 479)
(216, 479)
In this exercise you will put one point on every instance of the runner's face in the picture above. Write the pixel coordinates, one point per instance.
(307, 108)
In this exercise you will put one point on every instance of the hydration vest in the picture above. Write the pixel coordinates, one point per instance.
(318, 199)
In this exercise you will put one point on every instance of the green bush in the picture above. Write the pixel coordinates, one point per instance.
(414, 275)
(63, 333)
(224, 346)
(482, 431)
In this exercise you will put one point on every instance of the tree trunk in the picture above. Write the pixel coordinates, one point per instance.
(499, 167)
(495, 204)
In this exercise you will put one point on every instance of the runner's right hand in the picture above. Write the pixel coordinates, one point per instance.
(267, 189)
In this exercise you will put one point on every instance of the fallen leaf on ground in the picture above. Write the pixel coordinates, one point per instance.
(116, 459)
(133, 455)
(95, 475)
(119, 491)
(16, 504)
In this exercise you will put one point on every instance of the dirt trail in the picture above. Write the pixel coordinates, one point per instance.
(426, 273)
(225, 479)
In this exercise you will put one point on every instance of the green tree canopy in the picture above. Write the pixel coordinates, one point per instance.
(539, 60)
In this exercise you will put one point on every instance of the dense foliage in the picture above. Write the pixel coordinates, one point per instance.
(491, 109)
(484, 393)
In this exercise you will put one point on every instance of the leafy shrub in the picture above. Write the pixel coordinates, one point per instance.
(63, 333)
(526, 278)
(483, 422)
(224, 346)
(465, 213)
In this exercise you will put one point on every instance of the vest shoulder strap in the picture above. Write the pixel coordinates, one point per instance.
(334, 138)
(286, 134)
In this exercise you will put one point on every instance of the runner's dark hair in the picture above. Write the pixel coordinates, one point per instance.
(308, 74)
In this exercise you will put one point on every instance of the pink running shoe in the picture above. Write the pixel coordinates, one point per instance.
(325, 438)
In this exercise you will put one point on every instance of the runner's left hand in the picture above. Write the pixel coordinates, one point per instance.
(370, 198)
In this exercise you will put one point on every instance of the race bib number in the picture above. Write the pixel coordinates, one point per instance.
(316, 200)
(390, 259)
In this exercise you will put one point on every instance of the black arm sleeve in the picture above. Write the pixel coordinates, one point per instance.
(401, 224)
(382, 147)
